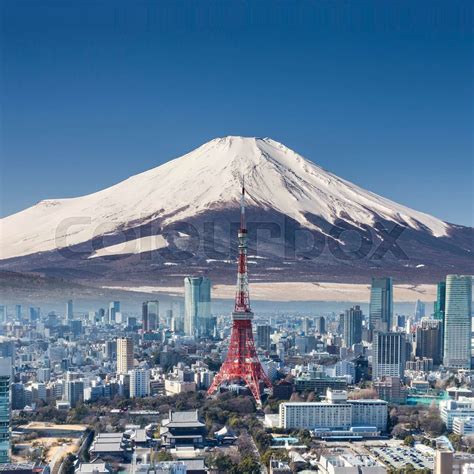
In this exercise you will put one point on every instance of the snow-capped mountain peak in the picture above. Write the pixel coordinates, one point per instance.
(207, 178)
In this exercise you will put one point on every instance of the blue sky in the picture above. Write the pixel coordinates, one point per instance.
(380, 93)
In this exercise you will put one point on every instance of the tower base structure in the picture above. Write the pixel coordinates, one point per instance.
(242, 363)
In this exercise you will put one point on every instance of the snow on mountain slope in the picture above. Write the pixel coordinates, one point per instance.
(206, 178)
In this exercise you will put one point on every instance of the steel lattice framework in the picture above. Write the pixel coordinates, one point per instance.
(242, 363)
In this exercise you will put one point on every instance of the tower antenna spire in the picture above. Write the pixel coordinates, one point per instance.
(242, 205)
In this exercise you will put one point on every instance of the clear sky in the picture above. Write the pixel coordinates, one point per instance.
(380, 93)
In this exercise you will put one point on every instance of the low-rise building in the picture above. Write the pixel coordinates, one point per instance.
(175, 386)
(450, 409)
(110, 446)
(336, 412)
(318, 381)
(391, 389)
(345, 462)
(182, 428)
(463, 426)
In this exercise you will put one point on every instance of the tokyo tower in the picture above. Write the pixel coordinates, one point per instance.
(242, 363)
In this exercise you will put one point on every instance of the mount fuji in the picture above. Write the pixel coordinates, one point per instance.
(305, 224)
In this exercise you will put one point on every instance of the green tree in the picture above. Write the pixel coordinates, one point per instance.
(221, 462)
(161, 456)
(249, 465)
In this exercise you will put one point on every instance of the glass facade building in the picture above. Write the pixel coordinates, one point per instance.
(381, 304)
(352, 332)
(457, 322)
(197, 306)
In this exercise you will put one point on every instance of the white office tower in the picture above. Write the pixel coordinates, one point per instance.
(197, 306)
(139, 383)
(457, 322)
(388, 354)
(124, 355)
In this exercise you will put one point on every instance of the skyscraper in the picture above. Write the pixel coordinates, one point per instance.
(197, 306)
(429, 341)
(381, 304)
(69, 310)
(388, 354)
(321, 325)
(124, 355)
(439, 308)
(3, 314)
(419, 310)
(264, 332)
(457, 322)
(178, 316)
(18, 312)
(5, 408)
(114, 308)
(34, 313)
(150, 315)
(440, 303)
(352, 333)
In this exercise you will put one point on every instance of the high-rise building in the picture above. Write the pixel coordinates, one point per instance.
(124, 355)
(3, 314)
(388, 354)
(457, 322)
(321, 325)
(76, 327)
(264, 332)
(439, 307)
(34, 314)
(420, 308)
(306, 325)
(178, 316)
(7, 349)
(5, 408)
(74, 392)
(429, 341)
(139, 383)
(150, 315)
(69, 310)
(381, 304)
(168, 317)
(114, 308)
(197, 306)
(18, 312)
(110, 349)
(440, 303)
(352, 333)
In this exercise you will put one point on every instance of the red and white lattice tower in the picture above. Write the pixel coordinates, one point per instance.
(242, 363)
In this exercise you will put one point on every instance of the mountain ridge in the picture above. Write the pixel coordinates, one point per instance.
(203, 185)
